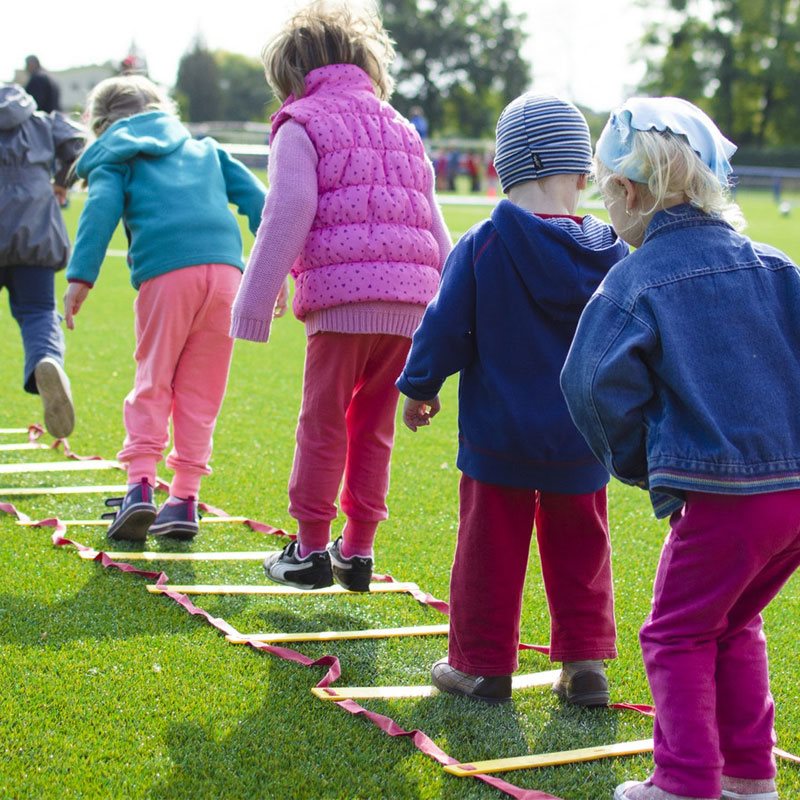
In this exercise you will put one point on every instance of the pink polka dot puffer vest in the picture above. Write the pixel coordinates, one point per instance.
(371, 238)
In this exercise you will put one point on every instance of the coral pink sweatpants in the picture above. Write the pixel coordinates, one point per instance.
(345, 428)
(183, 355)
(725, 559)
(486, 584)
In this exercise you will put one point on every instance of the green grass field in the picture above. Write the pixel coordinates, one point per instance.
(108, 691)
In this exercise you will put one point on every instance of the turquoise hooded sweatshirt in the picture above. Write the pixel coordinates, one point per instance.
(171, 192)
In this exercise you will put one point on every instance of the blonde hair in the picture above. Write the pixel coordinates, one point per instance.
(329, 32)
(123, 96)
(674, 174)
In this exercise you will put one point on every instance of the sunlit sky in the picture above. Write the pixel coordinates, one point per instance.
(580, 49)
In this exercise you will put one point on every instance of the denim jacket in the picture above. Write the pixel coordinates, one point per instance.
(684, 373)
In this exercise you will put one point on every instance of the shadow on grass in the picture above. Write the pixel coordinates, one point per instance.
(294, 746)
(106, 606)
(297, 746)
(289, 621)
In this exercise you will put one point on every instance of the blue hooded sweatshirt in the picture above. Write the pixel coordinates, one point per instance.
(511, 294)
(171, 191)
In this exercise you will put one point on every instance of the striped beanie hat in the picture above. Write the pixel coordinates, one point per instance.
(539, 135)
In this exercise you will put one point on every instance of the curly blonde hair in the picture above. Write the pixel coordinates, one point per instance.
(674, 174)
(329, 32)
(123, 96)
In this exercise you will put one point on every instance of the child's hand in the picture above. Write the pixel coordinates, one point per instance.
(282, 300)
(417, 413)
(61, 194)
(73, 300)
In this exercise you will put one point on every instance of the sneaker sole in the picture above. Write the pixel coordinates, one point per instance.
(304, 586)
(184, 531)
(321, 583)
(353, 583)
(586, 699)
(59, 413)
(133, 524)
(491, 701)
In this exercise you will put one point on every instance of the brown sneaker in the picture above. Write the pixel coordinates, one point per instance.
(492, 689)
(583, 683)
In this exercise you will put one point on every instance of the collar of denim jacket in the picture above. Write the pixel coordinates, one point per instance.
(681, 215)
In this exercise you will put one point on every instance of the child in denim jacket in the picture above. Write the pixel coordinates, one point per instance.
(683, 376)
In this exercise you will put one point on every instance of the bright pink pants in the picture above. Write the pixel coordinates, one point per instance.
(183, 354)
(486, 584)
(345, 429)
(704, 649)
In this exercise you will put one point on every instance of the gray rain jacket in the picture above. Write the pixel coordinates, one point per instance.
(32, 145)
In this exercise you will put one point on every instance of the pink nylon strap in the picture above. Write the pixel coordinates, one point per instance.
(34, 432)
(71, 454)
(10, 508)
(418, 738)
(785, 755)
(258, 527)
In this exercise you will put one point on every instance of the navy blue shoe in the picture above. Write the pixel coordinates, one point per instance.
(136, 513)
(177, 520)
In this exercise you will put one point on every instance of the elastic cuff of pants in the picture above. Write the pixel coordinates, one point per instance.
(486, 672)
(358, 537)
(730, 780)
(313, 534)
(705, 786)
(139, 468)
(185, 486)
(595, 654)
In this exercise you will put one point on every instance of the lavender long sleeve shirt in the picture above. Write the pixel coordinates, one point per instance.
(289, 212)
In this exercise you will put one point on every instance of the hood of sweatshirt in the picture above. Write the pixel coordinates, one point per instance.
(16, 105)
(153, 133)
(559, 267)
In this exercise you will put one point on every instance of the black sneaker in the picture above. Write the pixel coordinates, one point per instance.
(354, 573)
(135, 516)
(177, 520)
(492, 689)
(584, 685)
(311, 572)
(52, 384)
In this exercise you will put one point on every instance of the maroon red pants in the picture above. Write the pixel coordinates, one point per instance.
(486, 585)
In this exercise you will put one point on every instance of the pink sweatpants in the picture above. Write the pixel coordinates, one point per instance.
(183, 355)
(486, 584)
(725, 559)
(345, 428)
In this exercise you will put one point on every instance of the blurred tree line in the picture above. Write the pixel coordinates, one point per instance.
(737, 59)
(220, 86)
(459, 60)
